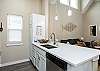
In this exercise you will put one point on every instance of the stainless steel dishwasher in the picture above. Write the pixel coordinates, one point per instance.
(55, 64)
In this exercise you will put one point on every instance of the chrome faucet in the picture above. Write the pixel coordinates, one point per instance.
(54, 38)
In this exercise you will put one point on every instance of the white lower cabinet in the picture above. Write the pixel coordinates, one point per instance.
(38, 58)
(33, 55)
(42, 64)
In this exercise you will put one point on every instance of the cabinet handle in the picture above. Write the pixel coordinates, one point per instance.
(39, 58)
(1, 28)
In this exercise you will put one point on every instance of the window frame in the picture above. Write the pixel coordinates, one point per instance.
(70, 5)
(14, 43)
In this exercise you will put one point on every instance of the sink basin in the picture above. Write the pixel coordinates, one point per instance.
(48, 46)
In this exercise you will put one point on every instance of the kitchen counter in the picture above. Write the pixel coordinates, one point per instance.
(72, 54)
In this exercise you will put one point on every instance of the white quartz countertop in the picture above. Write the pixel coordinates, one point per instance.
(72, 54)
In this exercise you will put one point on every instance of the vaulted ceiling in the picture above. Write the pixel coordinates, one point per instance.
(86, 4)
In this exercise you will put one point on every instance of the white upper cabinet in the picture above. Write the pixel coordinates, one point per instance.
(38, 25)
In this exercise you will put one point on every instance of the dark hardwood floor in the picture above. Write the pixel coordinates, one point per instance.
(26, 66)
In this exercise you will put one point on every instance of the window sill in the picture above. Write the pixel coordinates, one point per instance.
(14, 44)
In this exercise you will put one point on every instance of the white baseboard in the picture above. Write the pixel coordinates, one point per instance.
(15, 62)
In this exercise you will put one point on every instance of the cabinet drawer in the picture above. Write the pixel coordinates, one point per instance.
(33, 52)
(40, 51)
(33, 47)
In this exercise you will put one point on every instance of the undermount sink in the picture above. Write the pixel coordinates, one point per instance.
(48, 46)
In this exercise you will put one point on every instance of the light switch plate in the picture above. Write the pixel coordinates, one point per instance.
(99, 28)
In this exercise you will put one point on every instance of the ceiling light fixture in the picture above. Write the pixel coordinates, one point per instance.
(69, 10)
(56, 16)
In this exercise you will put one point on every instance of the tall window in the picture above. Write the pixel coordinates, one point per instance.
(14, 28)
(74, 3)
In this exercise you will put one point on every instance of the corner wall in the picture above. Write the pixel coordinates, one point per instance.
(24, 8)
(92, 17)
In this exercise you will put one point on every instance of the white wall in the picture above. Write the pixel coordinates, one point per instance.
(18, 7)
(56, 26)
(92, 17)
(45, 11)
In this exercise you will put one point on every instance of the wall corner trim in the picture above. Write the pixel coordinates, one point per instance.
(14, 62)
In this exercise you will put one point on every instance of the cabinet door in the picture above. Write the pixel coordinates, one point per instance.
(42, 64)
(40, 56)
(33, 52)
(32, 55)
(37, 60)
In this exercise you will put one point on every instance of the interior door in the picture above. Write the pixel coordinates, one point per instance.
(0, 33)
(0, 47)
(1, 37)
